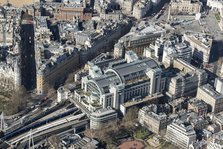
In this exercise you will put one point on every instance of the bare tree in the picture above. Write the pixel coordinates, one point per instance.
(49, 89)
(18, 100)
(22, 97)
(131, 114)
(90, 133)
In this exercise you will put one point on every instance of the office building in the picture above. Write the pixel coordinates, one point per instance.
(27, 45)
(10, 72)
(182, 85)
(176, 50)
(213, 128)
(140, 37)
(10, 49)
(141, 8)
(185, 81)
(71, 11)
(119, 83)
(216, 5)
(216, 142)
(219, 85)
(197, 122)
(127, 5)
(54, 61)
(188, 7)
(54, 65)
(184, 51)
(181, 134)
(211, 97)
(198, 106)
(201, 45)
(93, 42)
(218, 119)
(74, 141)
(6, 28)
(100, 118)
(114, 15)
(63, 94)
(167, 45)
(198, 144)
(119, 50)
(149, 117)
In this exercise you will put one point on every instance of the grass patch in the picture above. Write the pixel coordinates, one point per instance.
(217, 16)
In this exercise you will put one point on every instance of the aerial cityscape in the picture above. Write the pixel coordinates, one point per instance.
(111, 74)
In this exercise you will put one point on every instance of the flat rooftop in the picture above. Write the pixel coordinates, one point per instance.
(210, 91)
(102, 112)
(146, 99)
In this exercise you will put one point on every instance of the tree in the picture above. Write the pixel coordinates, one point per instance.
(49, 89)
(18, 100)
(131, 115)
(90, 133)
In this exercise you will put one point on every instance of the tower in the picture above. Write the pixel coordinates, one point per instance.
(27, 46)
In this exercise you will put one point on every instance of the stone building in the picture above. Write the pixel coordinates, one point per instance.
(185, 7)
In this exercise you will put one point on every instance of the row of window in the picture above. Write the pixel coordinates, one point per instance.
(137, 91)
(140, 41)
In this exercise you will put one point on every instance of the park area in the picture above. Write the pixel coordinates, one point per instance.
(126, 133)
